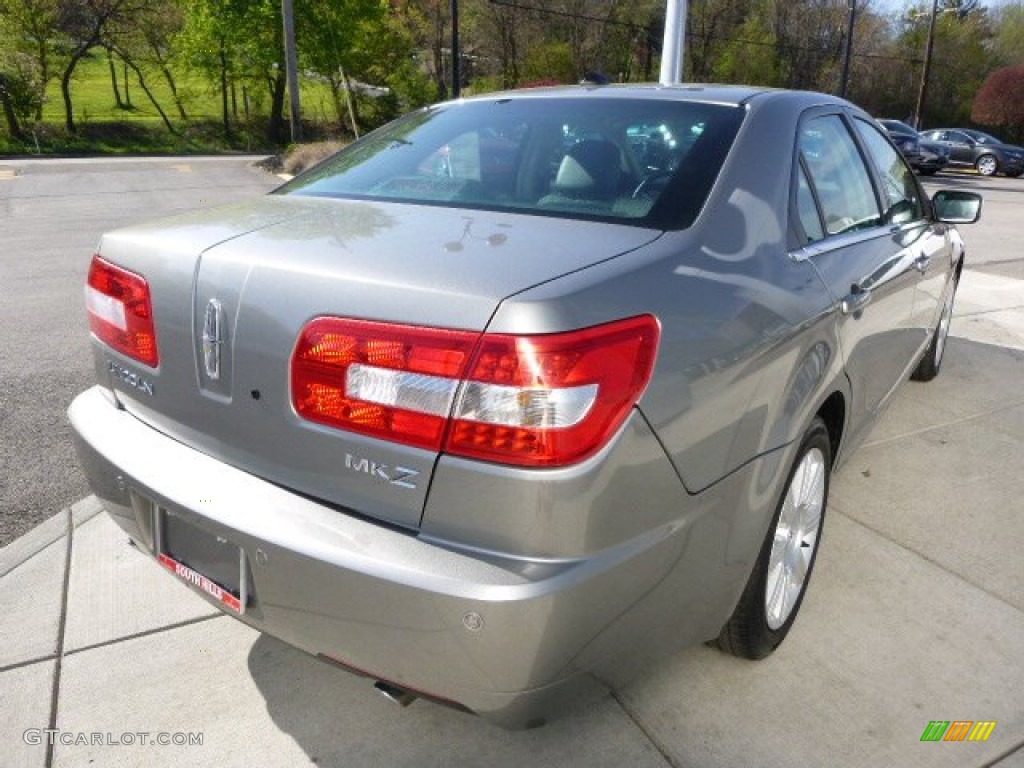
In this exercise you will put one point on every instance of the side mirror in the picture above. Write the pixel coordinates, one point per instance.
(954, 206)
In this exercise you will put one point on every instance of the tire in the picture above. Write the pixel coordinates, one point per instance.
(929, 365)
(776, 587)
(986, 165)
(1014, 174)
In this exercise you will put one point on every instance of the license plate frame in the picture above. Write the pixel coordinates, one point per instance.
(204, 560)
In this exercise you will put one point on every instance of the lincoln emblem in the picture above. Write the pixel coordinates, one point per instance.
(213, 338)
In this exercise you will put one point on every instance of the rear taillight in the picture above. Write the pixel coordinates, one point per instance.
(546, 400)
(121, 311)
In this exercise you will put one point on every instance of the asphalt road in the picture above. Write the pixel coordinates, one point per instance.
(52, 213)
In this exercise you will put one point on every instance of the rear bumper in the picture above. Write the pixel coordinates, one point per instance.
(508, 638)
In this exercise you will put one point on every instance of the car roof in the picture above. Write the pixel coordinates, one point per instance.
(731, 95)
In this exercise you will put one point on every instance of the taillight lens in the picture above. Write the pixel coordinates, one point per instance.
(121, 311)
(546, 400)
(391, 381)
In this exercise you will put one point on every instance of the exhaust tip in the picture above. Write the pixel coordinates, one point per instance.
(395, 693)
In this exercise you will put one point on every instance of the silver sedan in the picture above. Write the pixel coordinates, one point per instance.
(520, 392)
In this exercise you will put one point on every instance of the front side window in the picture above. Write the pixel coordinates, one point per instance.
(641, 161)
(840, 179)
(902, 194)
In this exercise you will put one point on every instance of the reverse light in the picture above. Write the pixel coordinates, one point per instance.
(540, 400)
(120, 311)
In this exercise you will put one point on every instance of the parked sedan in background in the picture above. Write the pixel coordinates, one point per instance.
(495, 431)
(987, 154)
(925, 157)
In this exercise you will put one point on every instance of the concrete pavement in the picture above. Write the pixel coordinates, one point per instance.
(915, 614)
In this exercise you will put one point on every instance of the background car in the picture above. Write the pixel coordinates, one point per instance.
(987, 154)
(925, 157)
(497, 432)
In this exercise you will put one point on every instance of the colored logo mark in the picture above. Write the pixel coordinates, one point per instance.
(958, 730)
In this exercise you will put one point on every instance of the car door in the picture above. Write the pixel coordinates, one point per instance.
(863, 259)
(961, 147)
(908, 213)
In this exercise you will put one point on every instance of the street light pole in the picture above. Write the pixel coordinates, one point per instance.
(673, 48)
(844, 82)
(923, 92)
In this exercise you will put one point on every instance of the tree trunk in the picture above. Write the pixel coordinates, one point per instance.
(174, 91)
(149, 94)
(13, 126)
(339, 108)
(113, 79)
(65, 85)
(275, 128)
(224, 90)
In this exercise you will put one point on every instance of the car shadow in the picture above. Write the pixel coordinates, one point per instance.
(338, 719)
(902, 502)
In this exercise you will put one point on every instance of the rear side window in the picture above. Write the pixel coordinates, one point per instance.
(840, 179)
(640, 161)
(807, 209)
(902, 195)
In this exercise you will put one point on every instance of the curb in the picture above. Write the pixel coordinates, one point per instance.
(46, 533)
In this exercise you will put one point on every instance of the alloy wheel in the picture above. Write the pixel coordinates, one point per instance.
(986, 165)
(795, 539)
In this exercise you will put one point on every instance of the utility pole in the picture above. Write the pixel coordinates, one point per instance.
(922, 94)
(456, 53)
(674, 46)
(291, 64)
(844, 83)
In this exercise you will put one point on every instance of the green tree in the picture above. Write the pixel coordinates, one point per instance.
(19, 94)
(234, 42)
(83, 26)
(1008, 40)
(961, 61)
(30, 27)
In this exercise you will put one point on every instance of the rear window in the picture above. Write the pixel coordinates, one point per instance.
(641, 161)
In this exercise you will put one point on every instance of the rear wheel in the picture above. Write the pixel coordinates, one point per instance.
(986, 165)
(1014, 174)
(775, 590)
(928, 368)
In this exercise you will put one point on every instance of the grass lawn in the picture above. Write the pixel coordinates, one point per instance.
(136, 126)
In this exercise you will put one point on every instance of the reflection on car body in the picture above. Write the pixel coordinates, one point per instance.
(523, 391)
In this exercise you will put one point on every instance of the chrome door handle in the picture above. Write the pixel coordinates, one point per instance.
(922, 262)
(856, 300)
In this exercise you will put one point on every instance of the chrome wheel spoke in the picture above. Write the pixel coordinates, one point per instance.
(795, 538)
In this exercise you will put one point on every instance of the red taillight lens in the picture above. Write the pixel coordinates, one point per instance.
(121, 311)
(555, 399)
(396, 382)
(537, 401)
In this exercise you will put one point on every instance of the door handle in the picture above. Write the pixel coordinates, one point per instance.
(856, 300)
(922, 262)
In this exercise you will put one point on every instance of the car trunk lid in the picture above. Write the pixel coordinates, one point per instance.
(228, 318)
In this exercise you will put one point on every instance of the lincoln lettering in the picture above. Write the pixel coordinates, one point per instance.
(130, 378)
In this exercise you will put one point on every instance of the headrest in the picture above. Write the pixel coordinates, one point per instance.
(590, 166)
